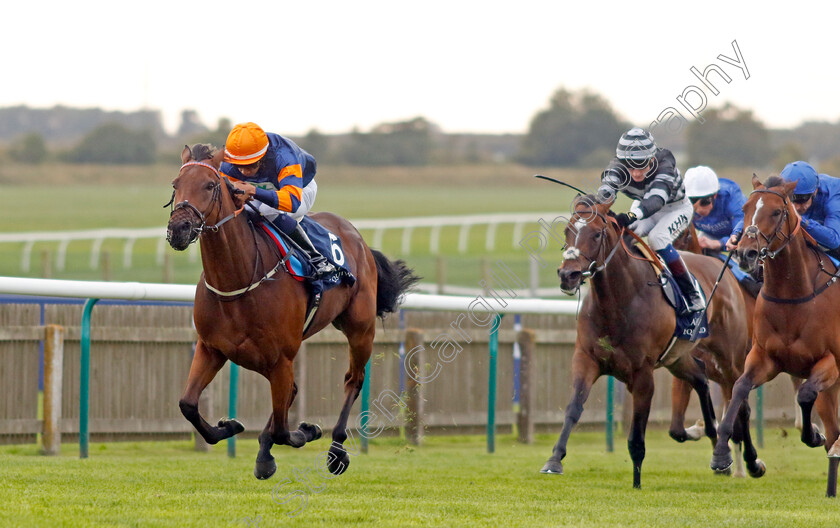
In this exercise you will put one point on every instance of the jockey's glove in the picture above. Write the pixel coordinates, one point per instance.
(625, 219)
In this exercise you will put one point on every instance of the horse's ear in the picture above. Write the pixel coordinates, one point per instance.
(218, 157)
(789, 187)
(756, 183)
(186, 154)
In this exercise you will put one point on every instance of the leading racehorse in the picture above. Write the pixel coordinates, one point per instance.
(796, 319)
(249, 312)
(625, 327)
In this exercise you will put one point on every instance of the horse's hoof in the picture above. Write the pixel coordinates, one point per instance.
(819, 438)
(339, 463)
(552, 468)
(265, 468)
(679, 437)
(722, 464)
(312, 431)
(760, 469)
(231, 427)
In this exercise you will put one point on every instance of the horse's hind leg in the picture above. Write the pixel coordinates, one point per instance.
(642, 391)
(823, 375)
(680, 396)
(205, 365)
(692, 370)
(361, 347)
(584, 373)
(741, 434)
(283, 391)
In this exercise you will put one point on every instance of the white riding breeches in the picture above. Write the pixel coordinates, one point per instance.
(666, 224)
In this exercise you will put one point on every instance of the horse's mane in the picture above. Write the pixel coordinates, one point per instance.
(203, 151)
(774, 181)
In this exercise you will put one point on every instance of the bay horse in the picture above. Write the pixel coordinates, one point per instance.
(796, 319)
(724, 374)
(625, 326)
(254, 317)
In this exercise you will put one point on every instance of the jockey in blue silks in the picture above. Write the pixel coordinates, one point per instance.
(718, 214)
(648, 174)
(817, 200)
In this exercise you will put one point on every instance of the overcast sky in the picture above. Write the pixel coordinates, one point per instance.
(468, 66)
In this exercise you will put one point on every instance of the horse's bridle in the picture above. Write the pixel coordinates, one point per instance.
(752, 231)
(593, 267)
(215, 199)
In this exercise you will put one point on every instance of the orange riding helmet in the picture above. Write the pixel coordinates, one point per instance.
(246, 144)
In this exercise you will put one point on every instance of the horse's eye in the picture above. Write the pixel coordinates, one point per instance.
(776, 213)
(597, 235)
(210, 186)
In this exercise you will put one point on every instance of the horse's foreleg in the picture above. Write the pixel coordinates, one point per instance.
(584, 373)
(797, 420)
(827, 409)
(205, 365)
(680, 396)
(642, 391)
(758, 370)
(823, 375)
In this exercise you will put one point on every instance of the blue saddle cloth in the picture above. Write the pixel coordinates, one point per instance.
(327, 244)
(686, 321)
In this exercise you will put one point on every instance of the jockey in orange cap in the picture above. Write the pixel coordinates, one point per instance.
(280, 177)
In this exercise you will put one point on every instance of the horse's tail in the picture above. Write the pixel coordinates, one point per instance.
(395, 279)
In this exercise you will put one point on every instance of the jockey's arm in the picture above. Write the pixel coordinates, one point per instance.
(828, 233)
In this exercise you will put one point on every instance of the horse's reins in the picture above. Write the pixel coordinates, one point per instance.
(765, 252)
(216, 199)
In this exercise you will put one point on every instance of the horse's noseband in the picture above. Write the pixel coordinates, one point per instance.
(752, 231)
(197, 230)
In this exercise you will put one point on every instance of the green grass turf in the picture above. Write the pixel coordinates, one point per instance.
(449, 481)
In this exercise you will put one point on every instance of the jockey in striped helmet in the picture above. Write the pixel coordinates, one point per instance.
(280, 177)
(661, 210)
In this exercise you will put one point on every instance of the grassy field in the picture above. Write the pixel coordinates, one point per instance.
(90, 197)
(449, 481)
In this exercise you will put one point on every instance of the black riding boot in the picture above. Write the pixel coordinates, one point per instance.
(692, 295)
(322, 266)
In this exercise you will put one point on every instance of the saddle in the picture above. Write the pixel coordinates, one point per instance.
(687, 322)
(297, 263)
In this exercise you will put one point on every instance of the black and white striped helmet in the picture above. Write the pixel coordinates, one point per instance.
(636, 146)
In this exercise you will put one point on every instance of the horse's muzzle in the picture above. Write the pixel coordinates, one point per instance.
(747, 258)
(570, 280)
(181, 230)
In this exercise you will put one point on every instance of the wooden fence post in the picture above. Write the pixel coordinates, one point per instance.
(527, 340)
(46, 265)
(414, 391)
(53, 375)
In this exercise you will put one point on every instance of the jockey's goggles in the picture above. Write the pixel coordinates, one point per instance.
(801, 198)
(703, 201)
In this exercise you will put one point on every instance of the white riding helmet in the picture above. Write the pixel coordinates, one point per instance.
(701, 181)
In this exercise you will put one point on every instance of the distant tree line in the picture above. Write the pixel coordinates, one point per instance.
(576, 129)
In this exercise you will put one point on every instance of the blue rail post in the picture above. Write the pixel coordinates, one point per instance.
(84, 381)
(491, 386)
(365, 409)
(610, 420)
(232, 397)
